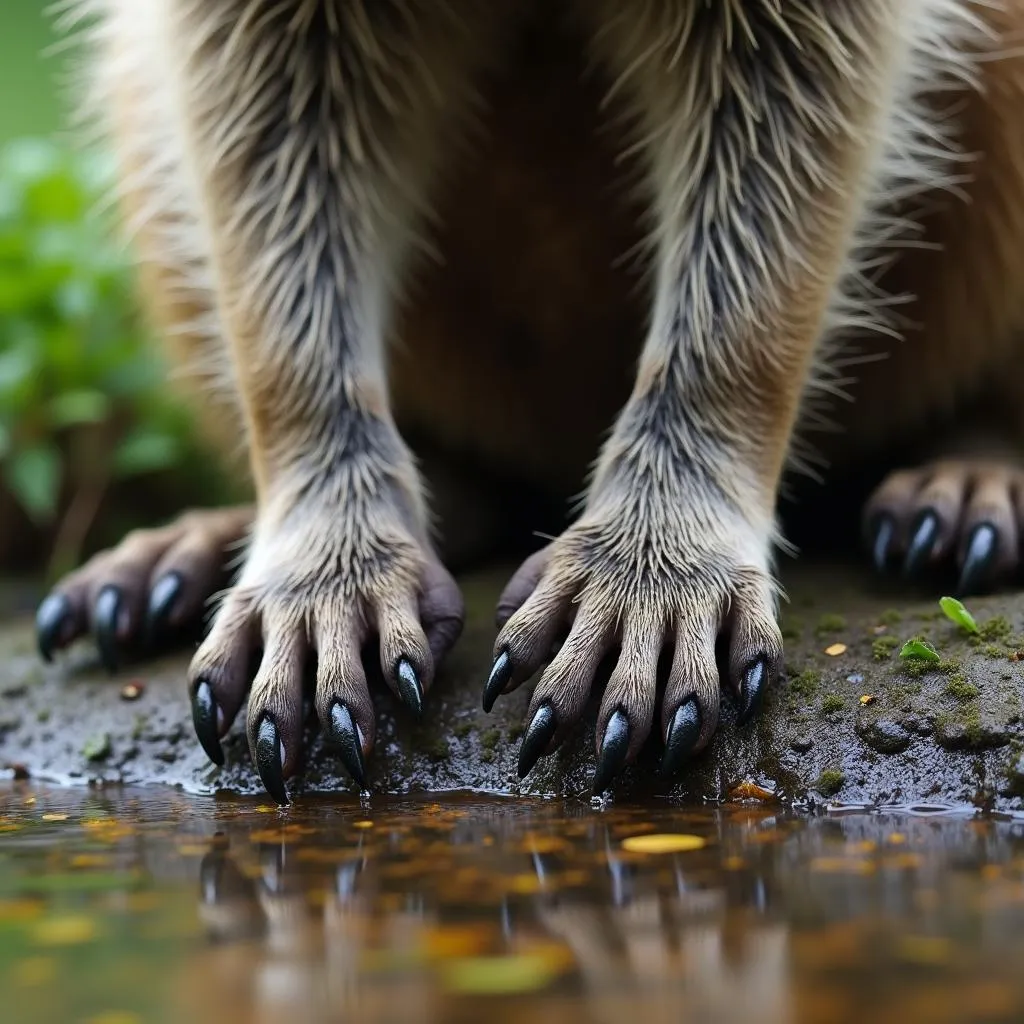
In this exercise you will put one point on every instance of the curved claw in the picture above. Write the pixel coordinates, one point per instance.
(752, 690)
(614, 748)
(538, 736)
(345, 737)
(981, 553)
(882, 533)
(269, 758)
(105, 618)
(161, 603)
(922, 544)
(683, 733)
(409, 686)
(52, 619)
(206, 720)
(501, 673)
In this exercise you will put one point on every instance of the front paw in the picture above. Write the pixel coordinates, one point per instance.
(639, 584)
(321, 587)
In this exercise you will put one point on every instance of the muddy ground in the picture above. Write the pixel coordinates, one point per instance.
(850, 723)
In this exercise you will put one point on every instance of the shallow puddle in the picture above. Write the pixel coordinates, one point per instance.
(119, 907)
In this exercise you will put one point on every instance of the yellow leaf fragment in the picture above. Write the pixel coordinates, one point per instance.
(501, 975)
(55, 817)
(867, 698)
(663, 842)
(834, 650)
(64, 931)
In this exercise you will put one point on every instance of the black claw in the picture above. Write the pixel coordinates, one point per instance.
(501, 673)
(752, 688)
(268, 760)
(613, 751)
(538, 736)
(52, 619)
(882, 532)
(683, 733)
(409, 686)
(921, 545)
(981, 553)
(105, 618)
(161, 603)
(344, 736)
(204, 718)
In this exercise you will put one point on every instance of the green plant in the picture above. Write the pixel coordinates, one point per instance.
(83, 398)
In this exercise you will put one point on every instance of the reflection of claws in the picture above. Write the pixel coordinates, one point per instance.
(227, 900)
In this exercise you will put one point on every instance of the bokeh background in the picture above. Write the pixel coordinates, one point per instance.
(91, 441)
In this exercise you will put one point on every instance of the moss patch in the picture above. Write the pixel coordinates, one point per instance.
(830, 781)
(883, 647)
(830, 624)
(959, 688)
(832, 703)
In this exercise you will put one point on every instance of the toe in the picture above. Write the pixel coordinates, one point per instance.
(755, 646)
(989, 543)
(527, 639)
(59, 620)
(405, 656)
(343, 702)
(220, 673)
(934, 517)
(274, 724)
(566, 683)
(690, 707)
(627, 709)
(522, 585)
(887, 514)
(441, 608)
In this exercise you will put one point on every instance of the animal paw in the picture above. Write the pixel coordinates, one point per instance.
(318, 588)
(152, 585)
(635, 584)
(957, 513)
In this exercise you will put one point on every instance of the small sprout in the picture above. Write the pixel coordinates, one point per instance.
(866, 699)
(956, 612)
(919, 650)
(835, 650)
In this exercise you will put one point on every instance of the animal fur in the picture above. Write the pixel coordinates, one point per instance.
(782, 168)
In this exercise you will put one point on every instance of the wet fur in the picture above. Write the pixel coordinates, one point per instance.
(281, 160)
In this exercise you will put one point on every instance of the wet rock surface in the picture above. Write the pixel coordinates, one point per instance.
(850, 723)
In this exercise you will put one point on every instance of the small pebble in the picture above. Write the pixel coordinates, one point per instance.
(133, 690)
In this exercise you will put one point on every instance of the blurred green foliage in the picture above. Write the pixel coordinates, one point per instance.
(83, 395)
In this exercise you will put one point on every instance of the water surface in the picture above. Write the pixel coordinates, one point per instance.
(120, 907)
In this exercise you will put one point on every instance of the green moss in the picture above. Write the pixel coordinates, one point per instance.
(972, 723)
(462, 730)
(806, 683)
(43, 715)
(832, 703)
(890, 617)
(490, 738)
(487, 756)
(996, 628)
(884, 646)
(949, 666)
(830, 624)
(97, 748)
(436, 748)
(959, 688)
(830, 781)
(994, 651)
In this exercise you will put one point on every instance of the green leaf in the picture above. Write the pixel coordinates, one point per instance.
(919, 650)
(34, 475)
(77, 407)
(501, 975)
(956, 612)
(97, 748)
(145, 451)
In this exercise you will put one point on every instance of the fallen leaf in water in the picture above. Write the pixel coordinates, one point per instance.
(34, 971)
(842, 866)
(663, 842)
(500, 975)
(751, 791)
(925, 949)
(834, 650)
(867, 698)
(55, 817)
(64, 931)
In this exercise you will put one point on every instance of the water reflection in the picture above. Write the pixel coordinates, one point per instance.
(521, 911)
